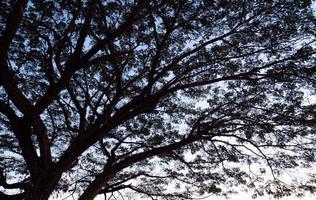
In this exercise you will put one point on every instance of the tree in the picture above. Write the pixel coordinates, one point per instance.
(109, 97)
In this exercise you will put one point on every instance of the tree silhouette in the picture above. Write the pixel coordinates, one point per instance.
(119, 97)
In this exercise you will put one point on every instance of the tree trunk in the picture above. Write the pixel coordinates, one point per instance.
(36, 195)
(43, 187)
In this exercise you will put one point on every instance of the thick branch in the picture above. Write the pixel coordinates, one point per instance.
(13, 22)
(101, 179)
(11, 197)
(85, 28)
(77, 61)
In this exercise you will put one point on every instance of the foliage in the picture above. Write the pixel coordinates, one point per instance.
(163, 99)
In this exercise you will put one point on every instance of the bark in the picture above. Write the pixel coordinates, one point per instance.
(36, 195)
(13, 22)
(43, 187)
(96, 186)
(4, 196)
(103, 178)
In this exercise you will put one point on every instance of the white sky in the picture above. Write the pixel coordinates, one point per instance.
(247, 196)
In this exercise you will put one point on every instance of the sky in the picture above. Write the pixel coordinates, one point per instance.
(247, 196)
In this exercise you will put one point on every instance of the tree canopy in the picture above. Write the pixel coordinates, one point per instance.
(155, 99)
